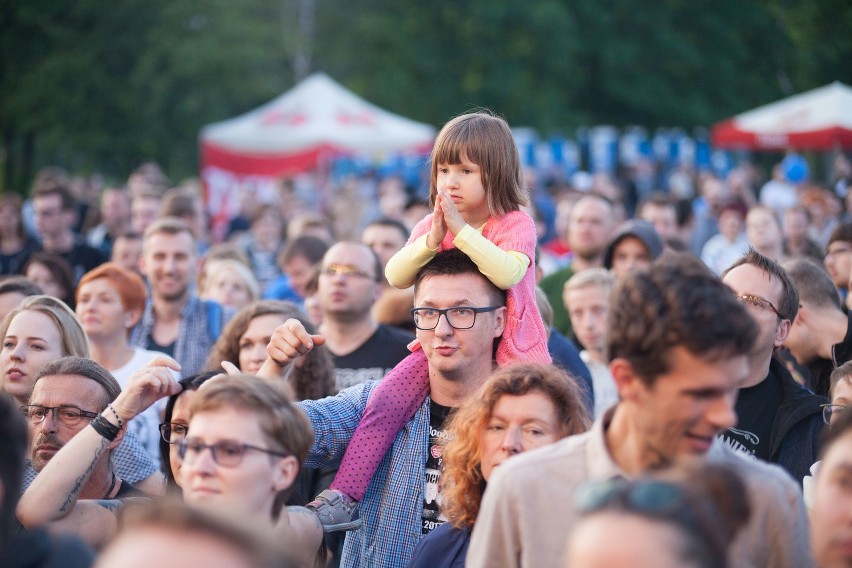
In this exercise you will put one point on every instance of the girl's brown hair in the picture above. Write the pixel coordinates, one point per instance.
(485, 140)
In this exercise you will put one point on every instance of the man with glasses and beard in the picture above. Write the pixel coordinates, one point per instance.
(77, 415)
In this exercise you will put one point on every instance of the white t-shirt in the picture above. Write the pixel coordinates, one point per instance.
(606, 393)
(146, 426)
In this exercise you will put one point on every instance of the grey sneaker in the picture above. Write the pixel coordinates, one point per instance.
(335, 512)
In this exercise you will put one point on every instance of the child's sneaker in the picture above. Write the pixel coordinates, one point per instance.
(336, 512)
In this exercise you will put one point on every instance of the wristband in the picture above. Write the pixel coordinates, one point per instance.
(105, 428)
(117, 417)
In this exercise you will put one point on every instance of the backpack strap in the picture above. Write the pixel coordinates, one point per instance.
(214, 319)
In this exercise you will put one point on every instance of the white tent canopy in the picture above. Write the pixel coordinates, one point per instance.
(820, 119)
(318, 115)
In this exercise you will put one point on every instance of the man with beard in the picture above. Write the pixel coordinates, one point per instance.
(175, 321)
(590, 224)
(76, 409)
(350, 280)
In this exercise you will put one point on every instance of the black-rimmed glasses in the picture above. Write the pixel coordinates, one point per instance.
(460, 317)
(759, 303)
(227, 453)
(172, 432)
(829, 411)
(68, 414)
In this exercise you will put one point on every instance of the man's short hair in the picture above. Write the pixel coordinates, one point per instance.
(65, 196)
(13, 450)
(676, 302)
(19, 285)
(454, 262)
(378, 270)
(393, 223)
(84, 368)
(168, 226)
(179, 202)
(253, 541)
(813, 283)
(842, 232)
(789, 304)
(308, 247)
(591, 278)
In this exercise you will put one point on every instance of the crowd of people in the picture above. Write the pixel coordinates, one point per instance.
(354, 387)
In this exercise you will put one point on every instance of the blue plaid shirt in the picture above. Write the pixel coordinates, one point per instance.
(194, 339)
(392, 509)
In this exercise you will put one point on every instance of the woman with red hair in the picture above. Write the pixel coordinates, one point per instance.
(110, 301)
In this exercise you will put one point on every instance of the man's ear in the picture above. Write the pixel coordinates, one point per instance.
(286, 473)
(626, 380)
(782, 332)
(499, 321)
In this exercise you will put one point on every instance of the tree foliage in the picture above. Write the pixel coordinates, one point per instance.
(101, 86)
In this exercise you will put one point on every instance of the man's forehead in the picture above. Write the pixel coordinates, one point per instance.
(458, 289)
(66, 389)
(349, 254)
(181, 241)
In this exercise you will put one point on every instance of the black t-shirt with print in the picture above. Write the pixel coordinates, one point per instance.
(432, 517)
(756, 409)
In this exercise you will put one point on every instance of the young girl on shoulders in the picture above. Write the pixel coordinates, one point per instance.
(476, 192)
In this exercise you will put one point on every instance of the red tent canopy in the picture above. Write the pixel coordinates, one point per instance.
(820, 119)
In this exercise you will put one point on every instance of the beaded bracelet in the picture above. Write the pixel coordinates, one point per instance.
(105, 428)
(117, 417)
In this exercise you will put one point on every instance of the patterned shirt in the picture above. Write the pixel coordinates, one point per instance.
(195, 337)
(392, 509)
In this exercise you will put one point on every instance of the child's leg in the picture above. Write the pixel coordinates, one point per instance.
(394, 401)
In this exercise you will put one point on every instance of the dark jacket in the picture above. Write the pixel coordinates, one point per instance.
(444, 547)
(795, 438)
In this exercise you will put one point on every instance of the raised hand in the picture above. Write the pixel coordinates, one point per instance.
(439, 226)
(289, 342)
(146, 386)
(452, 217)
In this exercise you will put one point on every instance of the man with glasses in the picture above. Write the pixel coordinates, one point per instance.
(821, 335)
(460, 315)
(778, 420)
(350, 281)
(679, 344)
(77, 415)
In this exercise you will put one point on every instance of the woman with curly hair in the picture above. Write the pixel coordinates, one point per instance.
(244, 340)
(519, 408)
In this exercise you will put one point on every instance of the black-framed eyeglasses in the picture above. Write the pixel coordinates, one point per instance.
(173, 432)
(227, 453)
(829, 411)
(68, 414)
(655, 498)
(344, 270)
(460, 317)
(759, 303)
